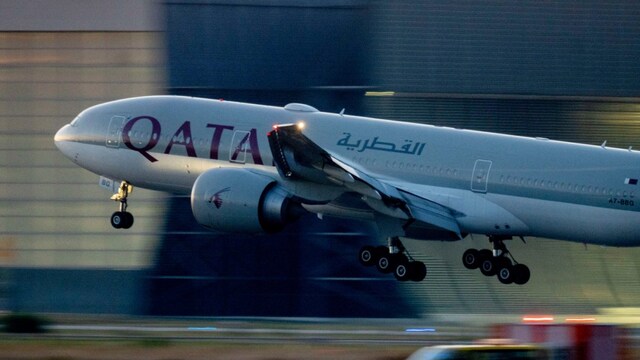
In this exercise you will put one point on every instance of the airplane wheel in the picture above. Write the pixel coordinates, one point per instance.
(484, 254)
(385, 263)
(117, 219)
(488, 266)
(128, 220)
(505, 272)
(403, 269)
(368, 256)
(471, 259)
(417, 270)
(521, 274)
(121, 220)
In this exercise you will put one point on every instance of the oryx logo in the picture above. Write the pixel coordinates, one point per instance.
(216, 200)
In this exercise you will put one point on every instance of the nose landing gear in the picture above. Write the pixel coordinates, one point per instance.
(122, 219)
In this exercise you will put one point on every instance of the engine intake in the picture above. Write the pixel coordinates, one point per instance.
(241, 201)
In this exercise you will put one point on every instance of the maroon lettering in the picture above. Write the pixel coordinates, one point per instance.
(215, 139)
(252, 139)
(241, 147)
(253, 147)
(182, 137)
(153, 140)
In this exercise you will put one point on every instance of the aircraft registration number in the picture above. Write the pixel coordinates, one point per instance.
(623, 202)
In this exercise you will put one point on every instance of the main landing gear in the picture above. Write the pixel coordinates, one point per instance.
(498, 262)
(122, 219)
(393, 258)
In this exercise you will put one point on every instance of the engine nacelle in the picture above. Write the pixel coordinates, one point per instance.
(241, 201)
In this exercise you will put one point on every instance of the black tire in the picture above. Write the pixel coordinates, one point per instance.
(521, 274)
(117, 219)
(418, 271)
(484, 254)
(128, 220)
(471, 259)
(402, 269)
(385, 263)
(488, 266)
(367, 256)
(505, 273)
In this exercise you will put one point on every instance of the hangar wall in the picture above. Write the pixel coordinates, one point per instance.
(58, 252)
(585, 48)
(560, 70)
(54, 219)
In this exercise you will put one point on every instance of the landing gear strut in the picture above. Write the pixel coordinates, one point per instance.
(122, 219)
(393, 258)
(498, 262)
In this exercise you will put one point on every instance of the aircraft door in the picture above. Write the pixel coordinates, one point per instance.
(480, 176)
(114, 134)
(239, 144)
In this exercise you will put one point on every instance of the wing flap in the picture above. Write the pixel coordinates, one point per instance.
(432, 213)
(298, 157)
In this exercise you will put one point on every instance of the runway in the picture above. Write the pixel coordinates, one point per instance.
(262, 331)
(97, 338)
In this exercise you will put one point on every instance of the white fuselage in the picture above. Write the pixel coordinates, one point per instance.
(495, 184)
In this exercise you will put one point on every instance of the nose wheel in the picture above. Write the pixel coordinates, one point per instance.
(122, 219)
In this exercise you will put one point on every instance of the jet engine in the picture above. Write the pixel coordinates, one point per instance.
(241, 201)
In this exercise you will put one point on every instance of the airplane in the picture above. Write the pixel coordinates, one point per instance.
(253, 168)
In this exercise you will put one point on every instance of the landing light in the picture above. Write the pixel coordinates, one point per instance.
(300, 125)
(538, 319)
(580, 319)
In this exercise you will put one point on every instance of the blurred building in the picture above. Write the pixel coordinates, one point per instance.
(57, 58)
(566, 71)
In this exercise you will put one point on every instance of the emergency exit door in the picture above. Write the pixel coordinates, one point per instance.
(480, 176)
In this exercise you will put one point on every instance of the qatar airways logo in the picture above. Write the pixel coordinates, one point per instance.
(182, 137)
(216, 199)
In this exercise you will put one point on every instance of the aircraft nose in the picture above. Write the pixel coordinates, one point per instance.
(61, 135)
(62, 139)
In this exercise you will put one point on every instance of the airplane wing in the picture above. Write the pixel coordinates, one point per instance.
(298, 157)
